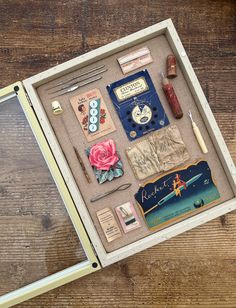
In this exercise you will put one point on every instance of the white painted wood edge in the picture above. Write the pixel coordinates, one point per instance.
(45, 284)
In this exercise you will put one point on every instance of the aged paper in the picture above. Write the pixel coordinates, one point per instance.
(109, 224)
(158, 152)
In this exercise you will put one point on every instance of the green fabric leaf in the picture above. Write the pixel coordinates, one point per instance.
(119, 164)
(117, 172)
(87, 151)
(103, 177)
(98, 173)
(110, 175)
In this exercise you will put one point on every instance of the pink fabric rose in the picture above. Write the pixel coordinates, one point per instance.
(103, 155)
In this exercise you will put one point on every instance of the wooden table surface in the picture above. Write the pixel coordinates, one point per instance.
(195, 269)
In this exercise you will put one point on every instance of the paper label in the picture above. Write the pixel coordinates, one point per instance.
(128, 217)
(108, 224)
(130, 89)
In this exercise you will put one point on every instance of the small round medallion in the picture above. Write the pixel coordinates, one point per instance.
(133, 134)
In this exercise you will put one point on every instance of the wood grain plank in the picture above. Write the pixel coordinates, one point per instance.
(154, 283)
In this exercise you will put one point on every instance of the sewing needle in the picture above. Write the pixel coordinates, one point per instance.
(74, 78)
(77, 87)
(79, 81)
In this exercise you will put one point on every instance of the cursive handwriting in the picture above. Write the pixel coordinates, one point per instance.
(156, 189)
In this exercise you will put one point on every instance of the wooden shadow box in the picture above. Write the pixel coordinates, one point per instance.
(32, 95)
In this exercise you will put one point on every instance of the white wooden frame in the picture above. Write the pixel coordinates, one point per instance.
(166, 27)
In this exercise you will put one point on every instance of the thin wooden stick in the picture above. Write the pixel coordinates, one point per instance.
(76, 152)
(82, 165)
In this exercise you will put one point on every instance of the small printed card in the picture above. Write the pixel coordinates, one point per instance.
(177, 195)
(93, 115)
(138, 105)
(158, 152)
(108, 224)
(105, 161)
(135, 59)
(128, 217)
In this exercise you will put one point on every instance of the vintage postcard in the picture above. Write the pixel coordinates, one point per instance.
(177, 194)
(93, 115)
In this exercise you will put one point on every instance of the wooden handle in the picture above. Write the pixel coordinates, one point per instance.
(199, 138)
(82, 165)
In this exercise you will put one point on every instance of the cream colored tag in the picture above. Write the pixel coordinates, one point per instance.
(131, 88)
(108, 224)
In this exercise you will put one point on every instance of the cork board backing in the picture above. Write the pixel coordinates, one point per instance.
(69, 133)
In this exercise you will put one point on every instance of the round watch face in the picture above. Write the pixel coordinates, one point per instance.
(141, 116)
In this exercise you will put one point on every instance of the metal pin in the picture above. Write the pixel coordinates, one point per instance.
(74, 78)
(119, 188)
(72, 89)
(74, 83)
